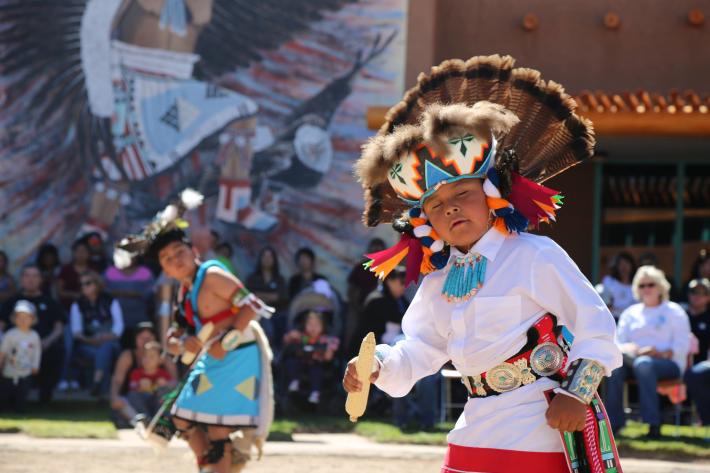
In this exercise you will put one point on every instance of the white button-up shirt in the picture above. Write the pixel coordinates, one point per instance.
(526, 277)
(664, 327)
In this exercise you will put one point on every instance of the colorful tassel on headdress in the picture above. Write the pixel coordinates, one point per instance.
(536, 202)
(508, 218)
(383, 262)
(425, 251)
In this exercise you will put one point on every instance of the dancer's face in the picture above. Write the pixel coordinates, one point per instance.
(459, 213)
(178, 260)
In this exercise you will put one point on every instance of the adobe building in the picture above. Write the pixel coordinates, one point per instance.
(640, 70)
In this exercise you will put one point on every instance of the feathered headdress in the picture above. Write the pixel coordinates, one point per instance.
(167, 225)
(479, 118)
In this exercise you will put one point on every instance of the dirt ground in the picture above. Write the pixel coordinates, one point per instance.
(311, 453)
(110, 461)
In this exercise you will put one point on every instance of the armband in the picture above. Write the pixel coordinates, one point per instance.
(244, 297)
(231, 339)
(241, 297)
(381, 353)
(583, 378)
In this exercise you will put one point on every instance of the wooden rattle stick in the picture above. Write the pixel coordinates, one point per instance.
(357, 402)
(204, 334)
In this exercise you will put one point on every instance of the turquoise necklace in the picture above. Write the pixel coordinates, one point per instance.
(465, 277)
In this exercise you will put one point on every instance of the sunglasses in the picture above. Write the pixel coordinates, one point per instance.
(87, 283)
(644, 286)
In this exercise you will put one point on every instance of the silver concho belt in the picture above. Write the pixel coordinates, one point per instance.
(544, 360)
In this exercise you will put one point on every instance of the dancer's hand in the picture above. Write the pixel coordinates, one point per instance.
(193, 344)
(174, 346)
(216, 351)
(566, 413)
(351, 383)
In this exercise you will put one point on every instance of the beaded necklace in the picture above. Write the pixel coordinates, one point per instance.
(465, 277)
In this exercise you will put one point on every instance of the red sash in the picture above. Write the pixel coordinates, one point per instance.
(492, 460)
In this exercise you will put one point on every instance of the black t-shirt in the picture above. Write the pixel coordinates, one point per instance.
(378, 309)
(49, 312)
(700, 326)
(297, 283)
(277, 285)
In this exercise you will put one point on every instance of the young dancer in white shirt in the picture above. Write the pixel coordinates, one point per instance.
(456, 169)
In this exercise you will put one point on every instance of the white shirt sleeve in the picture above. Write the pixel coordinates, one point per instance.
(420, 354)
(117, 318)
(77, 327)
(560, 287)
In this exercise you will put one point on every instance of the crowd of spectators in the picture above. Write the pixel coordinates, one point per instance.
(98, 328)
(661, 340)
(101, 326)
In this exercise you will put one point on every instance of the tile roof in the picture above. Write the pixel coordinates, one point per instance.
(643, 101)
(629, 113)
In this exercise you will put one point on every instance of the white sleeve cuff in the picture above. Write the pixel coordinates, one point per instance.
(382, 351)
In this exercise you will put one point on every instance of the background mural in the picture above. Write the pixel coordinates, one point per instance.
(111, 107)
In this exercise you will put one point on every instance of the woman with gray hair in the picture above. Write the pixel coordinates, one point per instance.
(654, 336)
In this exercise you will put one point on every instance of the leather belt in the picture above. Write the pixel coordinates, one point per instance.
(543, 356)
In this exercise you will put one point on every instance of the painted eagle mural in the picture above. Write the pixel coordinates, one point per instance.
(111, 107)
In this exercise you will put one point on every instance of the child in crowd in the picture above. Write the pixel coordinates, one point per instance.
(20, 354)
(147, 384)
(309, 352)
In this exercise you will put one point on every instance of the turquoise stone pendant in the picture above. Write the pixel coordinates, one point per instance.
(465, 278)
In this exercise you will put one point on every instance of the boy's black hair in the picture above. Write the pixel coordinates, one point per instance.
(164, 239)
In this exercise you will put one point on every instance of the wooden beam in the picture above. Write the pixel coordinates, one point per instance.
(639, 215)
(376, 117)
(668, 124)
(619, 123)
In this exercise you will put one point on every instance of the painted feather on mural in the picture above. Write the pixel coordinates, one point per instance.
(111, 107)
